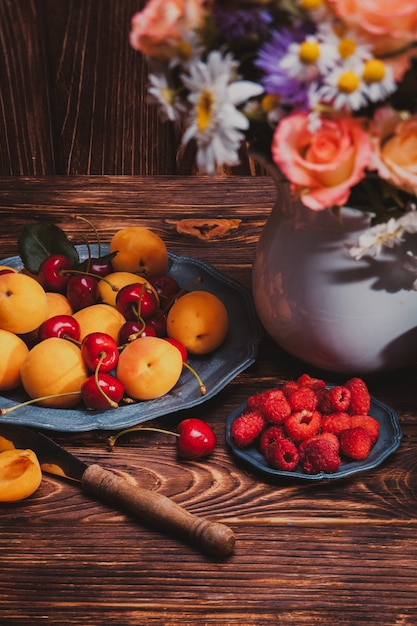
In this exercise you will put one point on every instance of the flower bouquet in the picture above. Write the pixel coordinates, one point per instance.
(325, 89)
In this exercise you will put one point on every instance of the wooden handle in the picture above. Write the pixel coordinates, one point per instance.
(150, 506)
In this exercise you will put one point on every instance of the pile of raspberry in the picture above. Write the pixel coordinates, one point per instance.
(307, 427)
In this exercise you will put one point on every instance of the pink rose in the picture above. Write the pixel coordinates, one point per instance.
(161, 24)
(395, 149)
(323, 165)
(391, 24)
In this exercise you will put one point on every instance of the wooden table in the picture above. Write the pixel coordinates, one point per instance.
(337, 553)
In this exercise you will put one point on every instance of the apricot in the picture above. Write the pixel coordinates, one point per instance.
(118, 280)
(139, 250)
(149, 367)
(54, 366)
(199, 320)
(57, 304)
(7, 268)
(23, 303)
(102, 318)
(20, 474)
(13, 352)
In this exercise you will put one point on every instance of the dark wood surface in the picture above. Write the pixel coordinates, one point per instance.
(73, 94)
(342, 553)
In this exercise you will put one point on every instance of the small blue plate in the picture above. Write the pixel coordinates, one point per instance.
(238, 352)
(388, 441)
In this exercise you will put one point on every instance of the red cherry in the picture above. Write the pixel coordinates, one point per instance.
(135, 301)
(51, 273)
(180, 347)
(196, 439)
(159, 323)
(99, 351)
(102, 391)
(134, 329)
(59, 326)
(99, 267)
(82, 291)
(166, 287)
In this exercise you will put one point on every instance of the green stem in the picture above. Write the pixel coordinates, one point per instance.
(113, 438)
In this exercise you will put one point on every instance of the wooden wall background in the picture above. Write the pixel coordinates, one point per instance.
(73, 94)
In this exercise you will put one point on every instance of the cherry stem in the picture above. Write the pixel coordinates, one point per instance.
(87, 221)
(112, 440)
(112, 286)
(111, 402)
(203, 388)
(6, 410)
(196, 281)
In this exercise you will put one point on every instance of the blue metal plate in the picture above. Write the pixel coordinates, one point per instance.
(238, 352)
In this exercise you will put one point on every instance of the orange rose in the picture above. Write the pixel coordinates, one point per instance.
(157, 29)
(391, 24)
(395, 149)
(323, 165)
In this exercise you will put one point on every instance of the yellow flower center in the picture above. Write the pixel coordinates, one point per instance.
(269, 103)
(346, 48)
(167, 94)
(204, 110)
(374, 71)
(310, 5)
(184, 50)
(309, 52)
(348, 82)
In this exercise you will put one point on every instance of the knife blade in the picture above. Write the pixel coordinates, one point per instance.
(149, 506)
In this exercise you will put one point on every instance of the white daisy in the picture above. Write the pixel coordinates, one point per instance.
(349, 47)
(379, 79)
(187, 49)
(344, 88)
(165, 95)
(215, 123)
(375, 238)
(305, 61)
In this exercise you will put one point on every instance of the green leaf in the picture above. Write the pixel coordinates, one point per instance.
(38, 241)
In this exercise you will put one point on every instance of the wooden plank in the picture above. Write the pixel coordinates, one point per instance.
(340, 554)
(25, 133)
(103, 122)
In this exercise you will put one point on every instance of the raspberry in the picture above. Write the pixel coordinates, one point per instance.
(283, 455)
(269, 436)
(305, 380)
(369, 423)
(288, 387)
(339, 397)
(329, 437)
(336, 422)
(303, 398)
(355, 443)
(360, 401)
(303, 424)
(320, 456)
(272, 404)
(246, 428)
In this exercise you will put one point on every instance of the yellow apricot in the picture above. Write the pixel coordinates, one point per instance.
(99, 318)
(199, 321)
(54, 366)
(20, 474)
(22, 303)
(8, 268)
(149, 367)
(117, 280)
(57, 304)
(139, 250)
(13, 352)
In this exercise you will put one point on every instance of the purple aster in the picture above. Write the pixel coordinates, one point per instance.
(275, 79)
(241, 24)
